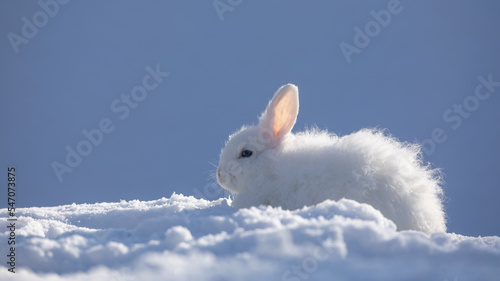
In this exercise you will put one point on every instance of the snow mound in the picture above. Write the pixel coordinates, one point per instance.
(184, 238)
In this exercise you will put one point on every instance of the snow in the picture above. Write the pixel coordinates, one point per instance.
(184, 238)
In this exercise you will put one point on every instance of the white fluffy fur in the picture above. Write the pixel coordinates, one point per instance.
(296, 170)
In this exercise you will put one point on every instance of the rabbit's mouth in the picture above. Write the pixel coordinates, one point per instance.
(226, 180)
(221, 178)
(218, 174)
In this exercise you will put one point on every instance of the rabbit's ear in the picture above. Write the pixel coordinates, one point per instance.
(282, 111)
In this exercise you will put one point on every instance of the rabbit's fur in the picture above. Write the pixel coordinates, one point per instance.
(296, 170)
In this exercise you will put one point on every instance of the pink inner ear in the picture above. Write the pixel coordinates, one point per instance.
(284, 114)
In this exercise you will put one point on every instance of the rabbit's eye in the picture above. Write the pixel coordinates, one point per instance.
(246, 153)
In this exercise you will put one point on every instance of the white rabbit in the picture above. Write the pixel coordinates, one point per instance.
(267, 164)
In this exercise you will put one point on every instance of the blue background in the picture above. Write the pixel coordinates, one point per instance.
(223, 70)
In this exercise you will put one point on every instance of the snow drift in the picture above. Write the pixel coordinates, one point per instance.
(184, 238)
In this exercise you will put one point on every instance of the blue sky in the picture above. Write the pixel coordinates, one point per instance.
(67, 67)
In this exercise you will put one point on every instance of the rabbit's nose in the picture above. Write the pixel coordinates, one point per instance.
(218, 173)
